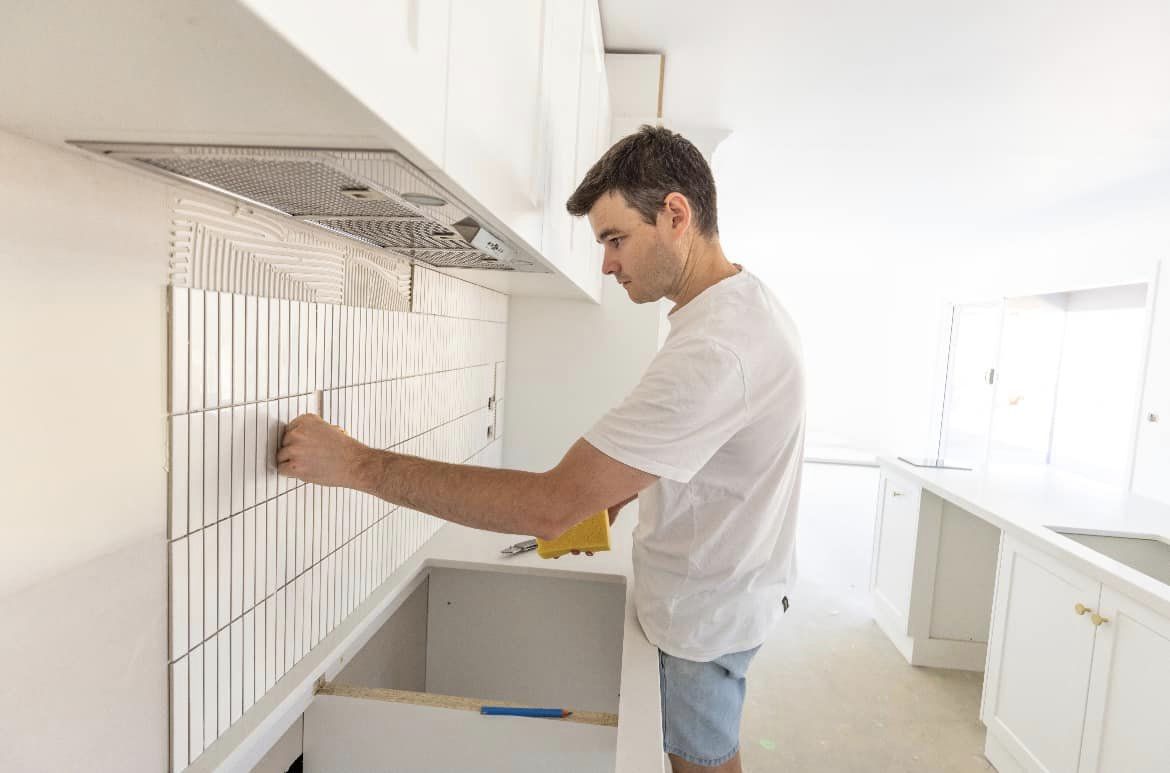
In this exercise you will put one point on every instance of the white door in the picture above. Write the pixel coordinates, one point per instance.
(1127, 727)
(970, 385)
(1152, 455)
(1040, 654)
(895, 540)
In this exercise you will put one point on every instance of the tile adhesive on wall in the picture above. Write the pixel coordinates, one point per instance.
(269, 320)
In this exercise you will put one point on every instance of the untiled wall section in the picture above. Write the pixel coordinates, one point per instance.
(263, 567)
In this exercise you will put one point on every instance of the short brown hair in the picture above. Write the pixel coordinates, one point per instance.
(645, 168)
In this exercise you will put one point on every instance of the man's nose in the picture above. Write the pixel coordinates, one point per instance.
(609, 265)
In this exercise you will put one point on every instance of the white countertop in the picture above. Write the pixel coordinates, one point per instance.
(1023, 500)
(639, 734)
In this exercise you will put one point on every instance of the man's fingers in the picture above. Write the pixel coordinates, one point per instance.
(283, 455)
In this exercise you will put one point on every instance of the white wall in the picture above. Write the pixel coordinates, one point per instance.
(83, 255)
(568, 363)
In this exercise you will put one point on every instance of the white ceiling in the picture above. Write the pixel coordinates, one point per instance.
(914, 119)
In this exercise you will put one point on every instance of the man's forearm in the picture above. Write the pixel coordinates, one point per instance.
(508, 501)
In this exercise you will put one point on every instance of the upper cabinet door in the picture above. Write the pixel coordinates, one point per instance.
(390, 54)
(493, 99)
(586, 253)
(560, 106)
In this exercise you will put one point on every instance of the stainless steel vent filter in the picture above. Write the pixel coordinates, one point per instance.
(357, 194)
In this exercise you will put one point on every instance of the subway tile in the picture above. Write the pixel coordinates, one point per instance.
(249, 659)
(211, 350)
(237, 459)
(180, 723)
(236, 649)
(195, 695)
(195, 589)
(283, 352)
(224, 691)
(179, 355)
(252, 428)
(223, 499)
(210, 691)
(270, 671)
(236, 589)
(248, 589)
(263, 349)
(225, 349)
(251, 341)
(303, 347)
(239, 349)
(261, 665)
(273, 430)
(179, 469)
(197, 304)
(180, 618)
(294, 347)
(223, 531)
(210, 581)
(272, 538)
(280, 634)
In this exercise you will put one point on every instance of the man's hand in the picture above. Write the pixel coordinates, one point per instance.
(318, 452)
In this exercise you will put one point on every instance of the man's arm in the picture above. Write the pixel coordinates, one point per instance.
(510, 501)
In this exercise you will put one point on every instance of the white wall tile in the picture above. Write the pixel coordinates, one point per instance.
(211, 350)
(224, 464)
(179, 468)
(249, 657)
(195, 589)
(210, 582)
(252, 428)
(179, 597)
(195, 695)
(223, 531)
(236, 595)
(197, 304)
(210, 691)
(179, 355)
(239, 350)
(283, 354)
(303, 347)
(237, 459)
(225, 349)
(236, 646)
(224, 690)
(251, 344)
(248, 590)
(261, 659)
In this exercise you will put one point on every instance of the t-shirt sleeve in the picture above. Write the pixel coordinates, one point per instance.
(690, 402)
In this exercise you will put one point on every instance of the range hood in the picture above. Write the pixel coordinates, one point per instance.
(377, 197)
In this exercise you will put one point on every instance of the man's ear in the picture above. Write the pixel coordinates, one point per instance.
(678, 209)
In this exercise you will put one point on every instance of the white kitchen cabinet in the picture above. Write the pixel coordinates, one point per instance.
(1152, 456)
(1041, 651)
(585, 253)
(391, 55)
(1078, 675)
(493, 101)
(895, 540)
(560, 109)
(1129, 691)
(932, 576)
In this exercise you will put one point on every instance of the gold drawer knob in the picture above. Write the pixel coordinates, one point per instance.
(1082, 609)
(1097, 619)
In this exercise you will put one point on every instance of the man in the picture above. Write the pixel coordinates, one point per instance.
(710, 441)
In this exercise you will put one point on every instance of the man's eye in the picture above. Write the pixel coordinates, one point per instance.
(616, 241)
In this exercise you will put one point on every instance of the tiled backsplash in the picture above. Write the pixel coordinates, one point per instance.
(263, 567)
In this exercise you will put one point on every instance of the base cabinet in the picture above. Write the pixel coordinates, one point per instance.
(1078, 676)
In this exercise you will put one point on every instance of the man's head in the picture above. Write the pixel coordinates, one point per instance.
(650, 200)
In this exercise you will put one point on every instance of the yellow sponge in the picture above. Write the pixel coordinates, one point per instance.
(591, 535)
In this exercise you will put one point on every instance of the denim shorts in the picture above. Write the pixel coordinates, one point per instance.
(701, 706)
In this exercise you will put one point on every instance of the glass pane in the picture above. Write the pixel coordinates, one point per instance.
(967, 417)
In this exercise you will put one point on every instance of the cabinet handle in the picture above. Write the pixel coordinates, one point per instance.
(1082, 609)
(1098, 620)
(896, 493)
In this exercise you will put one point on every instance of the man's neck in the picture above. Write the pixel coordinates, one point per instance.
(704, 267)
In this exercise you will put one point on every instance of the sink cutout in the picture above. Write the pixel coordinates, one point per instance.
(1147, 554)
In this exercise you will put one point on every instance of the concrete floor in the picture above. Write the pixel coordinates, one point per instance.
(828, 693)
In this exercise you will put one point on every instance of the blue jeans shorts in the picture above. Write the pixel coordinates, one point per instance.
(701, 706)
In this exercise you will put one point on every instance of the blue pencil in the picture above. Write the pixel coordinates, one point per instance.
(509, 711)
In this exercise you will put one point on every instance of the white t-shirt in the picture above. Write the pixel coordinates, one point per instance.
(719, 417)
